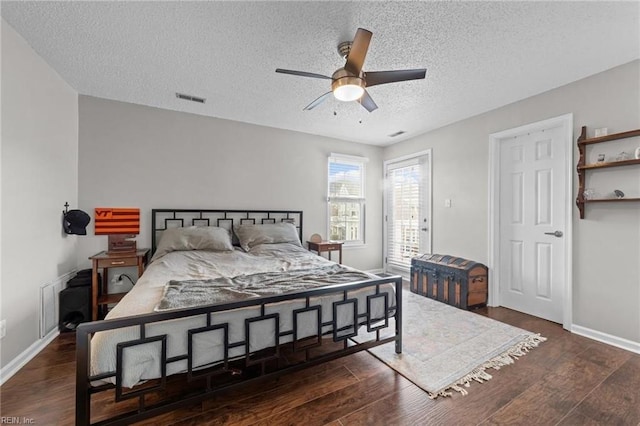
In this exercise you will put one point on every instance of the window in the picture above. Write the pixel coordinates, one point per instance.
(346, 198)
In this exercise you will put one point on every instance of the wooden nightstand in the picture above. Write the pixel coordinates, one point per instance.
(104, 261)
(327, 246)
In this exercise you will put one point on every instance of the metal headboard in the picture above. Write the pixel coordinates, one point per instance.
(162, 219)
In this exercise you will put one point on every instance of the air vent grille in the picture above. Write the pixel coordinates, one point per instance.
(398, 133)
(190, 98)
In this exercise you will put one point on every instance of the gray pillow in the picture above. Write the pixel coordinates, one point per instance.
(254, 235)
(209, 238)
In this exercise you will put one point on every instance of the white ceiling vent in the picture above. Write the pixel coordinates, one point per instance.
(190, 98)
(398, 133)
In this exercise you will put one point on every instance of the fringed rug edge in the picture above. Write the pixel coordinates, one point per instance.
(480, 374)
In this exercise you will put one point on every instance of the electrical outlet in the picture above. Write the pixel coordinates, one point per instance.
(447, 202)
(3, 328)
(116, 279)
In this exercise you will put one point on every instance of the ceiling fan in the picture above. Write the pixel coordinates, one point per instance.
(349, 83)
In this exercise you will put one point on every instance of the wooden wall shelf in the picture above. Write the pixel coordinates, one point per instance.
(612, 137)
(611, 200)
(582, 167)
(604, 165)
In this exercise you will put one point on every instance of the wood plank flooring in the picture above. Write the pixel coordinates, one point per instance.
(567, 380)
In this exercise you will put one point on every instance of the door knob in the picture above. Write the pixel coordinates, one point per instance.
(555, 234)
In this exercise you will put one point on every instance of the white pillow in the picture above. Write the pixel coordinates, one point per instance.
(254, 235)
(209, 238)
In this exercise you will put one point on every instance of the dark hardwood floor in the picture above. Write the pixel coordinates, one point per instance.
(567, 380)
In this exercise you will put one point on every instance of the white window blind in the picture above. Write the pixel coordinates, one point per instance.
(346, 199)
(404, 189)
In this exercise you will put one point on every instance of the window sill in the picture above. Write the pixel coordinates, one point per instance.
(354, 245)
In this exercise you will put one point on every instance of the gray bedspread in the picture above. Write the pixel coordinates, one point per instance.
(192, 293)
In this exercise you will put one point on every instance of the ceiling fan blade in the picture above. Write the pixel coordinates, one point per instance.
(367, 102)
(303, 73)
(317, 102)
(358, 51)
(383, 77)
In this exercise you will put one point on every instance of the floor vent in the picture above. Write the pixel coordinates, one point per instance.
(190, 98)
(49, 305)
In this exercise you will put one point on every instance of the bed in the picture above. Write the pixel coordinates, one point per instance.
(217, 312)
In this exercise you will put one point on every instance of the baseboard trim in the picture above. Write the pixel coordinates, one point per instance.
(609, 339)
(375, 271)
(27, 355)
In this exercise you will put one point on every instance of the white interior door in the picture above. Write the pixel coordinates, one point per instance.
(408, 210)
(532, 226)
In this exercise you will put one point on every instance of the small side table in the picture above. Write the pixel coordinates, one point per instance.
(327, 246)
(105, 261)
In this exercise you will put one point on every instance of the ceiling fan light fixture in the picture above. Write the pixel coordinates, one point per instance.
(350, 83)
(348, 88)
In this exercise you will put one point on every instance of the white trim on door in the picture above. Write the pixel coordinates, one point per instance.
(385, 201)
(494, 212)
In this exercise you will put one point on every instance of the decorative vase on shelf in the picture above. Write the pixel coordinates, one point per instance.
(637, 155)
(589, 194)
(623, 156)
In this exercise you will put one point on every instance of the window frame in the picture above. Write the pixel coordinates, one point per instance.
(361, 162)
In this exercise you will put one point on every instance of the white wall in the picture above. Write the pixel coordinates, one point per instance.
(137, 156)
(606, 264)
(39, 173)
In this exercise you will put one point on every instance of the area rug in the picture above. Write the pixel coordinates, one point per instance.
(444, 348)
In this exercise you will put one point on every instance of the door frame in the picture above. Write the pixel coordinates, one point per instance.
(385, 201)
(566, 121)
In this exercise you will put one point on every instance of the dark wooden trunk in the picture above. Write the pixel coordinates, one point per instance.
(453, 280)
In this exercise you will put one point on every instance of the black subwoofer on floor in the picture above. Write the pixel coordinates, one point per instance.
(75, 307)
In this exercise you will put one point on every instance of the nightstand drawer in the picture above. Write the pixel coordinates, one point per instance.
(110, 263)
(325, 247)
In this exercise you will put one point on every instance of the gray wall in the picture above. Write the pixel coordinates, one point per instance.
(606, 244)
(39, 173)
(138, 156)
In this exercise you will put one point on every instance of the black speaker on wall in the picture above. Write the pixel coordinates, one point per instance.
(75, 307)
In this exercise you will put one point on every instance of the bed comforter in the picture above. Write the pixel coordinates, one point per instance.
(142, 362)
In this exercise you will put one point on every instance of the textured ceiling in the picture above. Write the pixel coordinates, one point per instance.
(478, 55)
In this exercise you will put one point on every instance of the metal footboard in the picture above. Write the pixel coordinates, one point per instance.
(348, 328)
